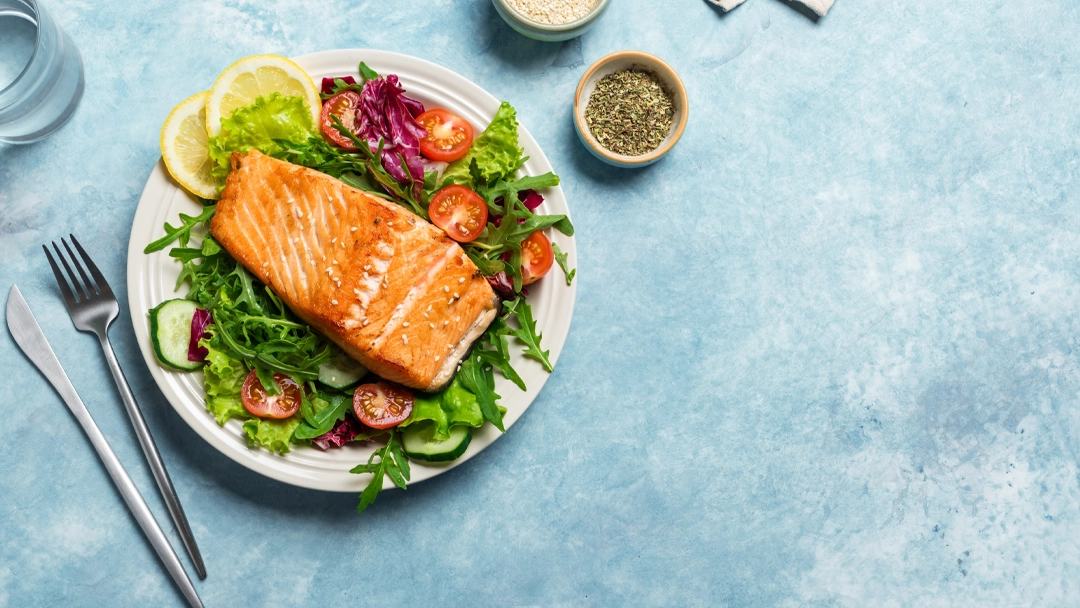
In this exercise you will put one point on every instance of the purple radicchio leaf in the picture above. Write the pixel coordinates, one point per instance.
(502, 285)
(199, 323)
(531, 199)
(328, 84)
(387, 114)
(343, 432)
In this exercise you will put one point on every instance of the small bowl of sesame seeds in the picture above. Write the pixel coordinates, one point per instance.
(551, 20)
(630, 109)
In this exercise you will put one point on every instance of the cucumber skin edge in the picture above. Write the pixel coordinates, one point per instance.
(157, 345)
(440, 458)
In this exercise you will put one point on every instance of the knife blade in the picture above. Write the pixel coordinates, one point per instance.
(28, 335)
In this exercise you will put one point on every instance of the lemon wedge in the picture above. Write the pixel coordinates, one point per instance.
(183, 147)
(258, 76)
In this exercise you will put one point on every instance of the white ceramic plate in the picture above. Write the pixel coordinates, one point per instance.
(151, 279)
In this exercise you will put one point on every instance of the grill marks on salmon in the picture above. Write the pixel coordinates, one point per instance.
(390, 289)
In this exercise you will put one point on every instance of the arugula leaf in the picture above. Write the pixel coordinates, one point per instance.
(182, 232)
(527, 331)
(475, 375)
(367, 73)
(534, 182)
(320, 413)
(392, 463)
(339, 86)
(560, 257)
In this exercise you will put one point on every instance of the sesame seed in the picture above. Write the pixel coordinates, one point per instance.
(428, 308)
(367, 267)
(446, 322)
(404, 338)
(436, 357)
(356, 291)
(461, 280)
(457, 319)
(431, 325)
(446, 289)
(365, 275)
(450, 301)
(329, 271)
(265, 264)
(456, 296)
(335, 262)
(353, 229)
(554, 12)
(405, 324)
(334, 302)
(366, 321)
(334, 240)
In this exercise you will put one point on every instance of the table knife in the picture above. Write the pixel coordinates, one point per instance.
(28, 335)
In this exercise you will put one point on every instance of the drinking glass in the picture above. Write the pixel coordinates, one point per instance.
(41, 73)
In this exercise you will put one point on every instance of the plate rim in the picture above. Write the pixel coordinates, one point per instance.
(160, 187)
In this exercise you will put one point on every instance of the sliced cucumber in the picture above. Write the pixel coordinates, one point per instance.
(419, 443)
(341, 370)
(170, 331)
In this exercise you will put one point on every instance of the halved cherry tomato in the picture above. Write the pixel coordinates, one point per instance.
(459, 211)
(536, 257)
(449, 136)
(259, 403)
(344, 106)
(382, 405)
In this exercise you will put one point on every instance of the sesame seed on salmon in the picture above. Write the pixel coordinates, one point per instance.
(313, 239)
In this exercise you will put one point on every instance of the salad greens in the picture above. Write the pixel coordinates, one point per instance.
(392, 463)
(495, 152)
(560, 259)
(252, 329)
(453, 406)
(262, 125)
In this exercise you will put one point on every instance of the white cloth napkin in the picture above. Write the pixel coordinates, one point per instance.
(818, 6)
(821, 7)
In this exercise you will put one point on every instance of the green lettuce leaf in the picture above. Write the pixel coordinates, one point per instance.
(455, 405)
(223, 378)
(273, 435)
(496, 152)
(257, 126)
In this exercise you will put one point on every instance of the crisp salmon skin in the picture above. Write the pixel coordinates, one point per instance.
(393, 291)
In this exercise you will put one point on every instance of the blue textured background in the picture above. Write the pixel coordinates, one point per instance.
(823, 354)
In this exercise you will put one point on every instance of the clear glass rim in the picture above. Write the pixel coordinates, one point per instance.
(34, 17)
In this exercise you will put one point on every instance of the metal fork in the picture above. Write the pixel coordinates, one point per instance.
(93, 310)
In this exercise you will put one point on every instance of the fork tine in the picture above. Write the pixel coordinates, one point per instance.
(102, 284)
(69, 298)
(83, 294)
(75, 262)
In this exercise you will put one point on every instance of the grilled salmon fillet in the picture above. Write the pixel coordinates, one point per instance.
(393, 291)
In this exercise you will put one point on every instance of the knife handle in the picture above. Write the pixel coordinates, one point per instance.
(138, 508)
(28, 335)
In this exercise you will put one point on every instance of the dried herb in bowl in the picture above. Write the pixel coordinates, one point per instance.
(630, 112)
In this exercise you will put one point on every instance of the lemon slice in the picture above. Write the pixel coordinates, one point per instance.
(258, 76)
(183, 146)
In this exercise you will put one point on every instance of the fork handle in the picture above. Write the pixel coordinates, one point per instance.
(153, 457)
